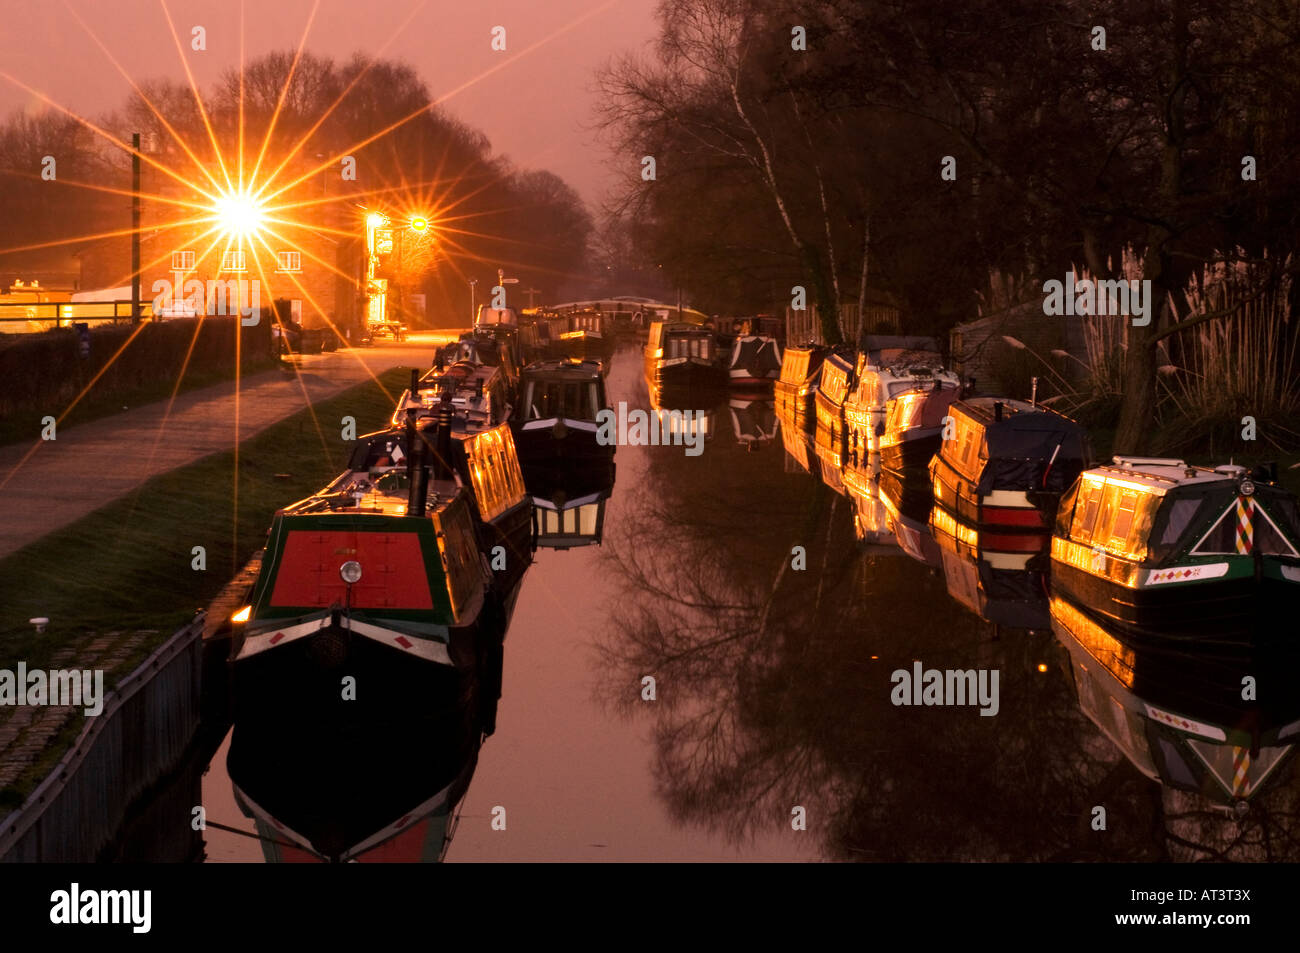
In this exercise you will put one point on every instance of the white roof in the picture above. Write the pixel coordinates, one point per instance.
(1160, 474)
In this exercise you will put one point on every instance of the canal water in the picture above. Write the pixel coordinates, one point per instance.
(772, 607)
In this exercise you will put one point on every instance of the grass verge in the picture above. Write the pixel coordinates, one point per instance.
(128, 565)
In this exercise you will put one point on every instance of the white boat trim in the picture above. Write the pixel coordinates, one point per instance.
(1014, 498)
(430, 649)
(1160, 577)
(549, 422)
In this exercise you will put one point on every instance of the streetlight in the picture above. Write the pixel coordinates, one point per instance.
(472, 283)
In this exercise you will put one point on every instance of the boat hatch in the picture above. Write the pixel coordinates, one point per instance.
(572, 399)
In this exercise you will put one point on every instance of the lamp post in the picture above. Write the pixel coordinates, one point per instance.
(472, 283)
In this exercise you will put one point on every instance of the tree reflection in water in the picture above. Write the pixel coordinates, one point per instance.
(773, 690)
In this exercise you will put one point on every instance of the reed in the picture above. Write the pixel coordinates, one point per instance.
(1246, 364)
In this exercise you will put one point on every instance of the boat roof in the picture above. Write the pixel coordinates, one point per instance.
(1158, 475)
(564, 369)
(354, 493)
(1016, 414)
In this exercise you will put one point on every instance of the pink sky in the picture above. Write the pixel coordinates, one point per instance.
(537, 110)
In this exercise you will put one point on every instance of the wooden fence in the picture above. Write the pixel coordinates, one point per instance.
(147, 723)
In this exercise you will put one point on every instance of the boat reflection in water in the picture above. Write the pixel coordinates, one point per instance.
(383, 788)
(798, 443)
(1007, 587)
(754, 421)
(570, 512)
(681, 427)
(1177, 712)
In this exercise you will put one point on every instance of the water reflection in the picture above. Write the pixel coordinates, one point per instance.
(774, 667)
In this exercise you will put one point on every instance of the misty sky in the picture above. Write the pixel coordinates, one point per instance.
(536, 110)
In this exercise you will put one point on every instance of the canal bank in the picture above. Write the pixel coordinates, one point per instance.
(119, 582)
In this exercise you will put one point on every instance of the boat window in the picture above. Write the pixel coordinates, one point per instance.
(1269, 538)
(1181, 512)
(1243, 528)
(1105, 515)
(1125, 509)
(1085, 512)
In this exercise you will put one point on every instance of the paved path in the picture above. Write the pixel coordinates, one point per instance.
(94, 463)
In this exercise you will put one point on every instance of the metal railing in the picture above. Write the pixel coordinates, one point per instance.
(36, 316)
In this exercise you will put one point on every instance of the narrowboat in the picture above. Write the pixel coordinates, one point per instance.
(480, 394)
(1156, 543)
(556, 424)
(379, 576)
(323, 787)
(480, 349)
(837, 379)
(1007, 465)
(585, 336)
(501, 325)
(755, 363)
(1179, 717)
(898, 412)
(796, 388)
(682, 357)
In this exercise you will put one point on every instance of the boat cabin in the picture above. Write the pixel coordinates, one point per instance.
(480, 395)
(1008, 462)
(1146, 541)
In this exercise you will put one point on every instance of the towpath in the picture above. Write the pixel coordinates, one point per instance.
(47, 485)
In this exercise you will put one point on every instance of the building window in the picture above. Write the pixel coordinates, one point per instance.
(288, 261)
(233, 260)
(182, 261)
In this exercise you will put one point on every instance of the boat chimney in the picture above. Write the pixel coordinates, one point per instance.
(997, 410)
(444, 436)
(410, 451)
(418, 470)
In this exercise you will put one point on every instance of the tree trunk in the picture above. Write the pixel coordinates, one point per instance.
(1133, 435)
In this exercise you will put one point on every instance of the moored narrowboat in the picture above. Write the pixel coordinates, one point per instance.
(755, 363)
(1007, 465)
(585, 337)
(1159, 544)
(380, 573)
(833, 387)
(897, 411)
(480, 395)
(556, 424)
(682, 357)
(796, 388)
